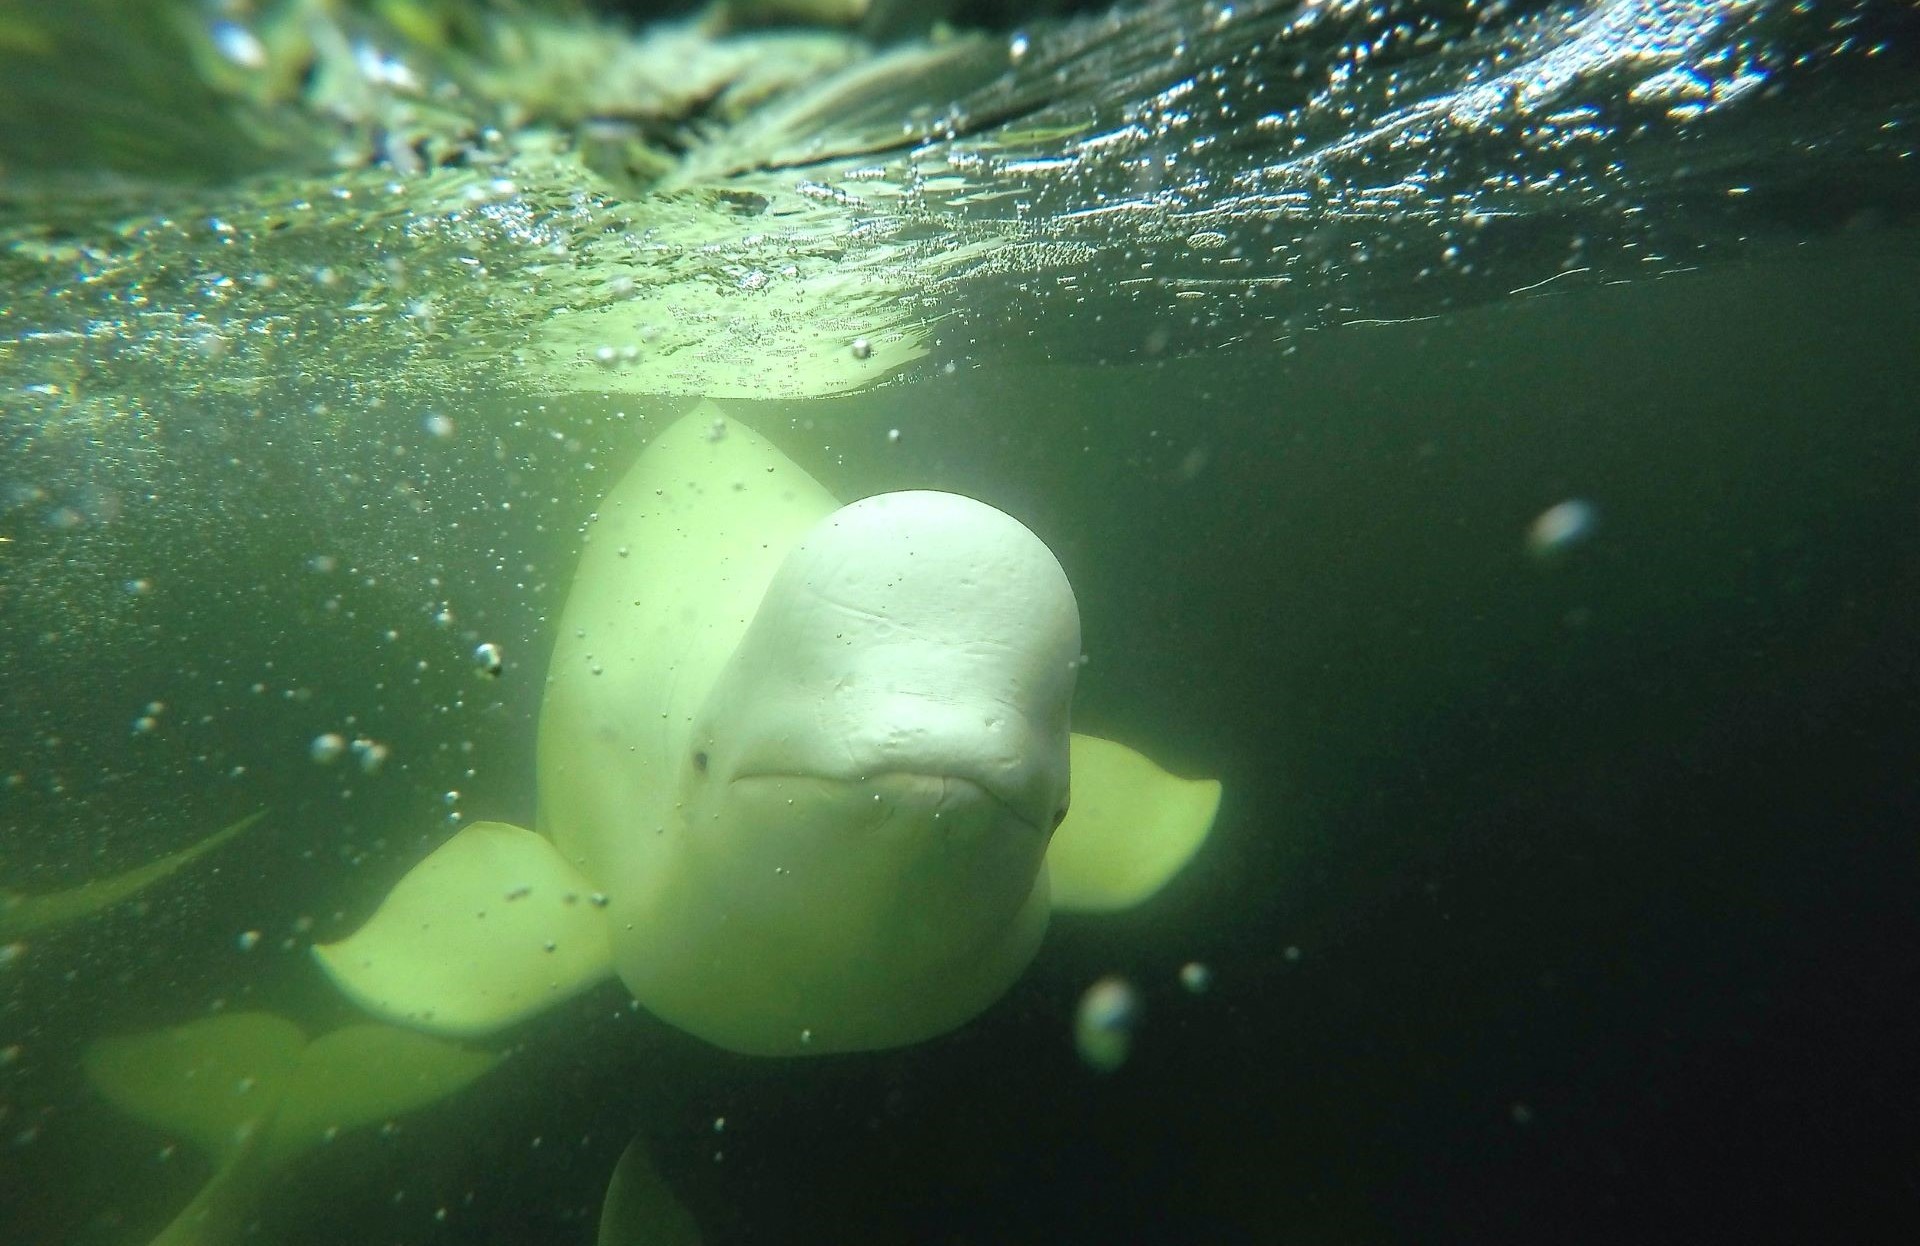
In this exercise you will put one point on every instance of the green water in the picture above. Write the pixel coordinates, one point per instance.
(1553, 899)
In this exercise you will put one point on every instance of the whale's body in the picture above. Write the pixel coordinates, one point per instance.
(812, 753)
(802, 768)
(803, 788)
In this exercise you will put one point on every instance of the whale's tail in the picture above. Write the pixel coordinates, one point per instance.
(21, 914)
(253, 1093)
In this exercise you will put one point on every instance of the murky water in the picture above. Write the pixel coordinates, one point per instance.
(1565, 886)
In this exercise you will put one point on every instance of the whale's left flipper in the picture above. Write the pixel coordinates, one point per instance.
(1131, 828)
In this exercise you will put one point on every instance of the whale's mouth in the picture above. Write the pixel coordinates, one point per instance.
(935, 792)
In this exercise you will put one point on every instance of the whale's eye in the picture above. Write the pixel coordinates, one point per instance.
(700, 761)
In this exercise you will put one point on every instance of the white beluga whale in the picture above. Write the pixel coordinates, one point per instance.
(806, 776)
(807, 783)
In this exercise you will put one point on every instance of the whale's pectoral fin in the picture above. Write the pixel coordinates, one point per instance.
(1130, 829)
(492, 928)
(254, 1093)
(22, 914)
(640, 1209)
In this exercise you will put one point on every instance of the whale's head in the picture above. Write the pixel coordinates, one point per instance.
(868, 790)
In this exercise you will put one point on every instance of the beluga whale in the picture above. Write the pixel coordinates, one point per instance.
(807, 783)
(806, 776)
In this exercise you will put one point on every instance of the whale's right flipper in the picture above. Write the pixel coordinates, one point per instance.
(1131, 828)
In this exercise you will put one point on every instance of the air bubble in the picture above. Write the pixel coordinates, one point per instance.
(1560, 528)
(239, 45)
(1104, 1022)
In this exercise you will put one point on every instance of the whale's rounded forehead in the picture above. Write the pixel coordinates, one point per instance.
(928, 511)
(925, 558)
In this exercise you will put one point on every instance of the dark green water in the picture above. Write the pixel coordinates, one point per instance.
(1551, 900)
(1602, 874)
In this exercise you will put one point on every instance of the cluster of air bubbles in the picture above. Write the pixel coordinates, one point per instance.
(1109, 1013)
(615, 356)
(330, 747)
(149, 720)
